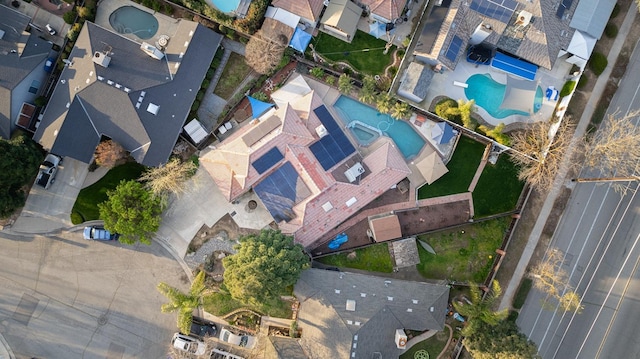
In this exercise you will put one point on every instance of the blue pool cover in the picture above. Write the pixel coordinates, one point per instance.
(335, 146)
(514, 66)
(280, 191)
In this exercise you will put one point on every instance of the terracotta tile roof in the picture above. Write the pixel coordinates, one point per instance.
(387, 9)
(308, 9)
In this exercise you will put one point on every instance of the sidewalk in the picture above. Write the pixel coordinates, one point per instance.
(560, 179)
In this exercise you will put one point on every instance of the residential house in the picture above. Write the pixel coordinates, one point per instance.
(308, 10)
(359, 316)
(302, 166)
(22, 74)
(137, 94)
(340, 19)
(384, 11)
(538, 32)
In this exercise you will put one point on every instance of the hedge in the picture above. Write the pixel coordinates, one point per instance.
(598, 63)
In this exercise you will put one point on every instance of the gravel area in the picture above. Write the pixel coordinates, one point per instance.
(218, 242)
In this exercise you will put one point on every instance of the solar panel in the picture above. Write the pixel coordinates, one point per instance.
(335, 146)
(280, 191)
(454, 48)
(564, 5)
(267, 160)
(500, 10)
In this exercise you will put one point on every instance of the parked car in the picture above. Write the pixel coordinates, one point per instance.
(48, 65)
(99, 234)
(48, 170)
(50, 30)
(201, 328)
(240, 340)
(188, 344)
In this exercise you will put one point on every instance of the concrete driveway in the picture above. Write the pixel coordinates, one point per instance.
(65, 297)
(49, 209)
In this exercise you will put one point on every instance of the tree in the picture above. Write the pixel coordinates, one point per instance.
(168, 178)
(384, 103)
(131, 211)
(108, 153)
(368, 92)
(549, 277)
(183, 303)
(464, 110)
(264, 53)
(502, 340)
(344, 84)
(264, 266)
(19, 161)
(480, 309)
(538, 152)
(400, 111)
(496, 134)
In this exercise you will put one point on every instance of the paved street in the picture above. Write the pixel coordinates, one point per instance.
(599, 235)
(66, 297)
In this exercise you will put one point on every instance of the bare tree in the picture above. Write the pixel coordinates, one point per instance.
(538, 151)
(549, 277)
(169, 178)
(109, 153)
(264, 53)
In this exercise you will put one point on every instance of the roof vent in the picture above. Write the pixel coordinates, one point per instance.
(151, 51)
(523, 18)
(351, 305)
(101, 59)
(153, 108)
(321, 131)
(354, 172)
(327, 206)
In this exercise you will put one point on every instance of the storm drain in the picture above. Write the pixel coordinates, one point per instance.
(26, 307)
(115, 351)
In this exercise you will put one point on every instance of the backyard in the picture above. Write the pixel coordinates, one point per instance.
(433, 345)
(464, 254)
(462, 168)
(232, 76)
(375, 258)
(498, 188)
(86, 206)
(365, 53)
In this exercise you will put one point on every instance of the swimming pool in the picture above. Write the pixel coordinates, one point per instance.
(364, 133)
(408, 141)
(227, 6)
(131, 20)
(488, 94)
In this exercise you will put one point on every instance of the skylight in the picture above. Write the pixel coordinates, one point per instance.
(351, 305)
(153, 108)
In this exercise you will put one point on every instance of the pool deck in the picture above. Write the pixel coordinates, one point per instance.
(166, 24)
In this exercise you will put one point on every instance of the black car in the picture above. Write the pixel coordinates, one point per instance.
(201, 328)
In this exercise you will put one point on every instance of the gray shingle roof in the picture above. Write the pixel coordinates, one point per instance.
(171, 83)
(328, 326)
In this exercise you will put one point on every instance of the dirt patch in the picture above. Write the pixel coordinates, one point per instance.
(225, 225)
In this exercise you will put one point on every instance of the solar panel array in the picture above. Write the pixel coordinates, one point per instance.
(280, 191)
(454, 48)
(267, 160)
(564, 5)
(335, 146)
(500, 10)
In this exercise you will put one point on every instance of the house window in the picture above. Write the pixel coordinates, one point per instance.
(35, 85)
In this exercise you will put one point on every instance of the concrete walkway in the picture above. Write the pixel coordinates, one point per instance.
(560, 179)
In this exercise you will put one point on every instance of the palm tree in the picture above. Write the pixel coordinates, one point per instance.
(400, 111)
(368, 92)
(384, 103)
(183, 303)
(344, 84)
(480, 310)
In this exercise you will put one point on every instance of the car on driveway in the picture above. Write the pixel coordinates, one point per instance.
(188, 344)
(48, 170)
(50, 30)
(99, 234)
(201, 328)
(240, 340)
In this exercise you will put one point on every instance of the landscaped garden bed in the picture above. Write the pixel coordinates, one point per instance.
(433, 346)
(233, 74)
(220, 304)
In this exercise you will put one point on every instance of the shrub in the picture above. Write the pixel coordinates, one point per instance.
(40, 101)
(393, 70)
(568, 88)
(210, 74)
(195, 106)
(200, 96)
(260, 96)
(70, 16)
(521, 294)
(317, 72)
(443, 107)
(611, 30)
(583, 81)
(330, 80)
(76, 218)
(615, 12)
(205, 83)
(598, 63)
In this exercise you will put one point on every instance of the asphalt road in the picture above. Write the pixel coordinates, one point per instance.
(599, 235)
(66, 297)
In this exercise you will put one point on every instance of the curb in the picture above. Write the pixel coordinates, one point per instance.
(5, 350)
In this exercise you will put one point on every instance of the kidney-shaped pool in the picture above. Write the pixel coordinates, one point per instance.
(131, 20)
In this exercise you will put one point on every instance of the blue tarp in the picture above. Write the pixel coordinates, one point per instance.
(258, 107)
(514, 66)
(300, 40)
(340, 240)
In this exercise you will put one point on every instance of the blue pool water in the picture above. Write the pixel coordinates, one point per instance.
(131, 20)
(488, 94)
(225, 5)
(408, 141)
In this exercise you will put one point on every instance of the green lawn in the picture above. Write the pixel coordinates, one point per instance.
(370, 61)
(462, 168)
(375, 258)
(498, 188)
(434, 345)
(234, 73)
(87, 202)
(220, 304)
(464, 254)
